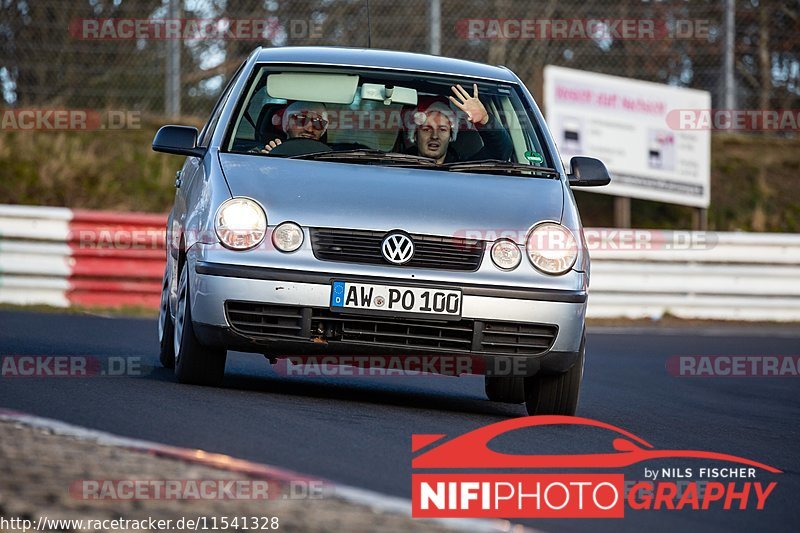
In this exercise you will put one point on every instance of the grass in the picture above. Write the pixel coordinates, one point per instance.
(114, 170)
(754, 179)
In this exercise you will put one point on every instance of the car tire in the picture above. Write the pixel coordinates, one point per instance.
(194, 363)
(556, 394)
(165, 326)
(505, 389)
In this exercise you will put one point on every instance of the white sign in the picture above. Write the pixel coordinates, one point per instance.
(624, 123)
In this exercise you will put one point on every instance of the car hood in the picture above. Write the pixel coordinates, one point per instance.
(370, 197)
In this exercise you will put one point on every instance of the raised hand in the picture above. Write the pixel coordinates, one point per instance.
(471, 105)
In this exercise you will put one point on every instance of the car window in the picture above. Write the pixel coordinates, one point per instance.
(256, 109)
(211, 124)
(385, 125)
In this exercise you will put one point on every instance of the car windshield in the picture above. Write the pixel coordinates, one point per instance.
(430, 121)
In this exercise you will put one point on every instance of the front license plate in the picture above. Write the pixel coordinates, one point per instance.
(395, 299)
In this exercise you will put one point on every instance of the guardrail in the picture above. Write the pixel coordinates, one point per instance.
(64, 257)
(729, 276)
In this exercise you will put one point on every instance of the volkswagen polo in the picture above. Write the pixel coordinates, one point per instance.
(345, 201)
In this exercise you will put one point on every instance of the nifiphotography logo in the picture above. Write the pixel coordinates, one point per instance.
(458, 485)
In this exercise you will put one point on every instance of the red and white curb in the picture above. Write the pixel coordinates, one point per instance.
(367, 498)
(61, 257)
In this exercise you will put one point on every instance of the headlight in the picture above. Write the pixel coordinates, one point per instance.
(287, 237)
(240, 223)
(552, 248)
(506, 254)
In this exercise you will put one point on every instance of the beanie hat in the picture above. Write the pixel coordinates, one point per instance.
(420, 115)
(299, 106)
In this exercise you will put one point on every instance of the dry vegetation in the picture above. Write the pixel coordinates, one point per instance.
(754, 179)
(114, 170)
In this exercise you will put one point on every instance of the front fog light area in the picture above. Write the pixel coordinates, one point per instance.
(506, 254)
(240, 223)
(287, 237)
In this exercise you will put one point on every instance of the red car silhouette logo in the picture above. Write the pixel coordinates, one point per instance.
(471, 450)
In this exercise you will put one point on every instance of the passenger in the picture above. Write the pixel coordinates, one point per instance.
(435, 126)
(302, 120)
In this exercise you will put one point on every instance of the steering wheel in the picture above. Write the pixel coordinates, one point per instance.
(299, 146)
(247, 146)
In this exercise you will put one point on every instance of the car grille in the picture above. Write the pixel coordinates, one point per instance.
(265, 320)
(357, 246)
(467, 336)
(513, 337)
(415, 333)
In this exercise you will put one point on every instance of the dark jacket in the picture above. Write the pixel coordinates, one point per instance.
(496, 144)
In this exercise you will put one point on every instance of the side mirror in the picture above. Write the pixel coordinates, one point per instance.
(588, 172)
(178, 140)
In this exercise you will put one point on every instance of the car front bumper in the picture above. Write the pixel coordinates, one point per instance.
(309, 293)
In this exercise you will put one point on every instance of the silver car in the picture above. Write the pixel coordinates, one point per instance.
(345, 202)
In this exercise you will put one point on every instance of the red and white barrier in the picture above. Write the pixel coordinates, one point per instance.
(62, 257)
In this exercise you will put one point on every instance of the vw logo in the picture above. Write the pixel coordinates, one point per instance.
(397, 248)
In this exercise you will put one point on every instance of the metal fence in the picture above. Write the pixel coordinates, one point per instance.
(65, 52)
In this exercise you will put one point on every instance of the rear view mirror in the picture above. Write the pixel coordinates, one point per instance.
(588, 172)
(389, 95)
(178, 140)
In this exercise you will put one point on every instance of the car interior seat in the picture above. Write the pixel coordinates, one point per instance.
(266, 127)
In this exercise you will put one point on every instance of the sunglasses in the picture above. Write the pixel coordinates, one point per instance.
(301, 119)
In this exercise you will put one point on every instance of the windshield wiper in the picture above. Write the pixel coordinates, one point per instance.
(493, 166)
(368, 155)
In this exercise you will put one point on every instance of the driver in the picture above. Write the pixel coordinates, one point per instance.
(434, 127)
(302, 120)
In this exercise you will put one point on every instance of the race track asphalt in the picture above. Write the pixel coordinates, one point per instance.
(357, 430)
